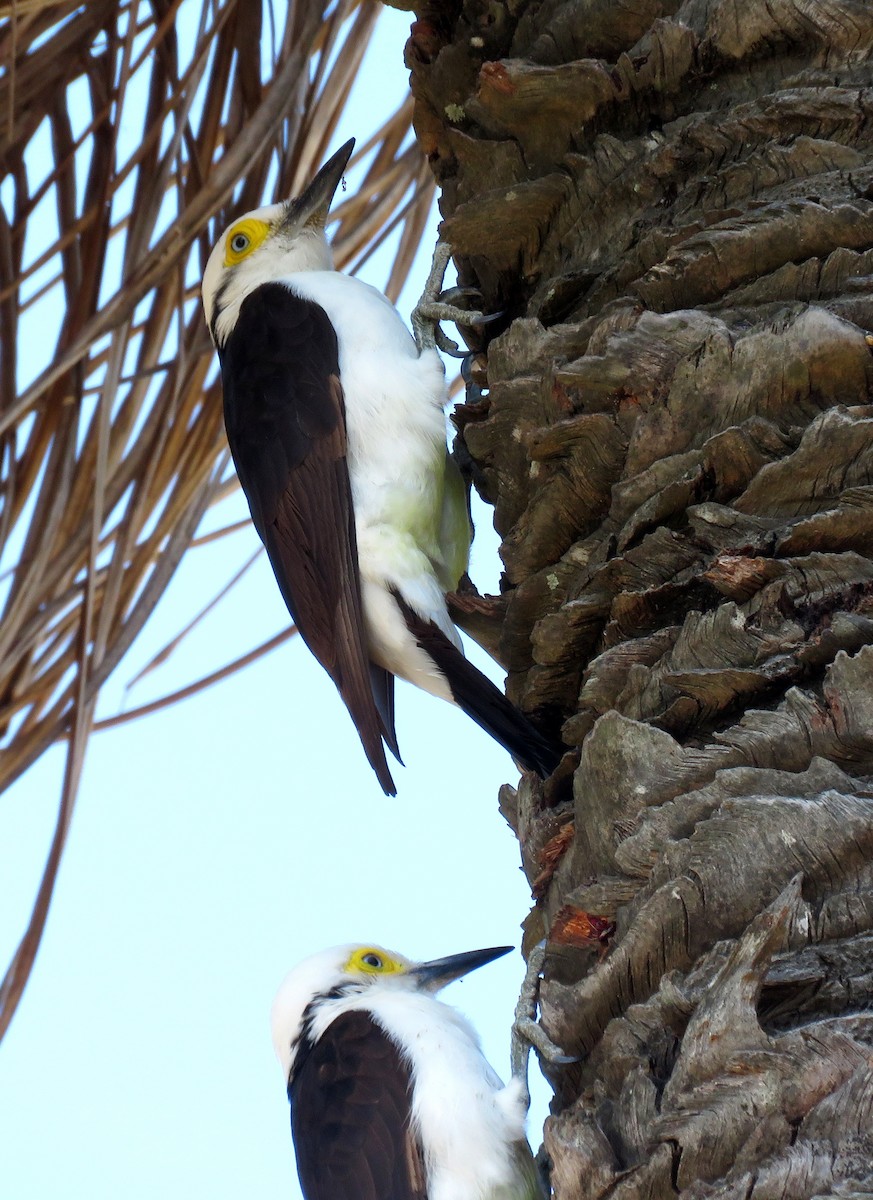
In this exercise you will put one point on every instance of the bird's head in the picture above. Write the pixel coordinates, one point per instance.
(348, 970)
(269, 243)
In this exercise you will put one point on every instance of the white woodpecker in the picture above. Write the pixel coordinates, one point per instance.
(391, 1096)
(335, 419)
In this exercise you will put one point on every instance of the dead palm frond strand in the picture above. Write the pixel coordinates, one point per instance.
(131, 133)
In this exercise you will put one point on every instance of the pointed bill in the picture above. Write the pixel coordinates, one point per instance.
(312, 205)
(433, 975)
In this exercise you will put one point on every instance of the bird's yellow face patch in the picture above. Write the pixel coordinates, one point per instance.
(242, 238)
(370, 960)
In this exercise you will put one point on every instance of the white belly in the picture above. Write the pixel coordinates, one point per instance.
(395, 402)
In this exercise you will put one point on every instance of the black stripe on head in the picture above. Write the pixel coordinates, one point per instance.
(217, 308)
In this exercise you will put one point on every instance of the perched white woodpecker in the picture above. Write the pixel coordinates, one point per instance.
(335, 419)
(391, 1096)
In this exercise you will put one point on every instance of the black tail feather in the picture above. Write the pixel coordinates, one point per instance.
(482, 700)
(383, 694)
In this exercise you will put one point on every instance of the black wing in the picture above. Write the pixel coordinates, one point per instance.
(350, 1117)
(285, 419)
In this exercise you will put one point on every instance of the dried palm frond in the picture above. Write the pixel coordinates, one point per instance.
(130, 134)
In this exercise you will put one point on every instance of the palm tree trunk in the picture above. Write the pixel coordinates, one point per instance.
(672, 206)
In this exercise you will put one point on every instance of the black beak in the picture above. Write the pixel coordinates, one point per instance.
(313, 205)
(431, 976)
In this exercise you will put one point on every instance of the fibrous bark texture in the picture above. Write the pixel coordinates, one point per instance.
(671, 204)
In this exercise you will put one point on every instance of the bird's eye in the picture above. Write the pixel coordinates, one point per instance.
(243, 237)
(370, 960)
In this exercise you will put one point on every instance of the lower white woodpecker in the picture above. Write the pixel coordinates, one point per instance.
(335, 419)
(391, 1096)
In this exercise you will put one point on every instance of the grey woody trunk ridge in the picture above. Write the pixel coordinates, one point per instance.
(672, 205)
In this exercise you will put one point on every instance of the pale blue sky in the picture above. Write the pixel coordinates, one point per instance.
(213, 845)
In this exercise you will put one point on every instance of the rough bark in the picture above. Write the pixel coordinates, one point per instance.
(672, 206)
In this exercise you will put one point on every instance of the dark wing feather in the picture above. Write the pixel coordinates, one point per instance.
(285, 420)
(350, 1117)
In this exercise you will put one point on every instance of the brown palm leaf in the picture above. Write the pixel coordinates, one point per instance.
(130, 134)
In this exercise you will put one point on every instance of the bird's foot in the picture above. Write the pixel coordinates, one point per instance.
(526, 1029)
(438, 305)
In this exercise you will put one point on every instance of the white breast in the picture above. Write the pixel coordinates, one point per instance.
(395, 398)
